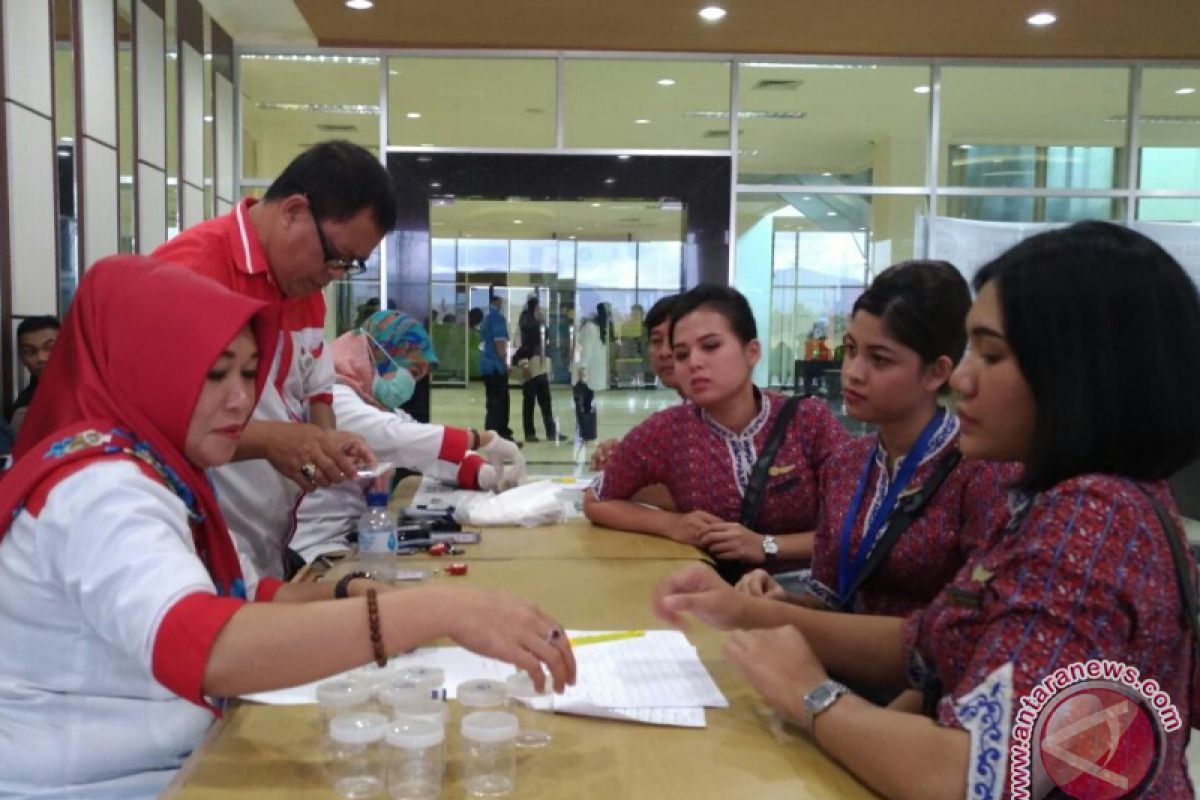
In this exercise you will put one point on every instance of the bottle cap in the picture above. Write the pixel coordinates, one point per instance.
(489, 726)
(481, 693)
(362, 728)
(375, 499)
(342, 693)
(415, 734)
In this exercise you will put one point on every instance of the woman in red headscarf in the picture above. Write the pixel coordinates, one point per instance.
(118, 577)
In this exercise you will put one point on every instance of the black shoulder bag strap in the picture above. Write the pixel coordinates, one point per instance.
(905, 513)
(1183, 575)
(756, 487)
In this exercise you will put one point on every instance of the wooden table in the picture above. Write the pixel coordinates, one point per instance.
(263, 753)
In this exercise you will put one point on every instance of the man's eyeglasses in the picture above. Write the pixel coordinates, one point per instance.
(352, 266)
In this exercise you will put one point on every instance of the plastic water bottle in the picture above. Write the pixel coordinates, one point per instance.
(377, 536)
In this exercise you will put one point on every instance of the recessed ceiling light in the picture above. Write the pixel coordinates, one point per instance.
(921, 89)
(1042, 18)
(393, 72)
(964, 147)
(806, 199)
(1185, 90)
(827, 174)
(610, 180)
(594, 205)
(413, 115)
(359, 5)
(624, 158)
(641, 122)
(435, 185)
(424, 145)
(208, 118)
(712, 13)
(666, 81)
(581, 228)
(518, 222)
(831, 213)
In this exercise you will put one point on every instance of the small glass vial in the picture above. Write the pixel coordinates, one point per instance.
(341, 696)
(431, 679)
(396, 693)
(489, 753)
(356, 770)
(532, 710)
(416, 759)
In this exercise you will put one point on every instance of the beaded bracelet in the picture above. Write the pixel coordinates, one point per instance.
(376, 632)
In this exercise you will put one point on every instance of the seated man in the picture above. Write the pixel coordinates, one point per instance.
(35, 340)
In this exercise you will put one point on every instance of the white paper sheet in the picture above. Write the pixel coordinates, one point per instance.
(674, 717)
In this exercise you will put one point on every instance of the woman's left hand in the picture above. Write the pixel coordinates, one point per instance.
(733, 542)
(779, 663)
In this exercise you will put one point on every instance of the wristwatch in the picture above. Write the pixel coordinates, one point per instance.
(819, 700)
(770, 548)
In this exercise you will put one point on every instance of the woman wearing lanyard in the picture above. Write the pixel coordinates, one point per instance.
(1085, 575)
(740, 507)
(876, 551)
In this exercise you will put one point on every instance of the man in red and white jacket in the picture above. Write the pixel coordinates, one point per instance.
(319, 221)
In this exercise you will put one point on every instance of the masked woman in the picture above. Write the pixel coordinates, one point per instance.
(124, 608)
(377, 368)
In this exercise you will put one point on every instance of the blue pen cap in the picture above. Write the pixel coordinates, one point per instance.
(377, 499)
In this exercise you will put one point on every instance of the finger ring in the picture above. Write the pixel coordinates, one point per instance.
(309, 471)
(553, 635)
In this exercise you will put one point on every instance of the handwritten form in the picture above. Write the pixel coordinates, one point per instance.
(656, 679)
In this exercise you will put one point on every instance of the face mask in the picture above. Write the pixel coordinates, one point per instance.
(395, 391)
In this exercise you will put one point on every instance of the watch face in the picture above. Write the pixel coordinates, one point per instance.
(770, 546)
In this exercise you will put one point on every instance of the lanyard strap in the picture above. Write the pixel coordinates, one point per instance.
(851, 563)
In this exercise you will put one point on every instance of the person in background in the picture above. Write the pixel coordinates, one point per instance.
(592, 346)
(136, 617)
(1083, 573)
(662, 363)
(35, 341)
(494, 366)
(531, 366)
(318, 222)
(906, 333)
(377, 369)
(705, 451)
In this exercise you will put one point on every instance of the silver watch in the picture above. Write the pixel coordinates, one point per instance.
(820, 699)
(770, 548)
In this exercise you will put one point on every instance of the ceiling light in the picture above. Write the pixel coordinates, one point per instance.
(581, 227)
(641, 122)
(518, 222)
(827, 174)
(610, 181)
(806, 199)
(666, 81)
(624, 158)
(359, 5)
(712, 13)
(921, 89)
(393, 72)
(831, 213)
(1185, 90)
(413, 115)
(572, 237)
(1042, 19)
(435, 185)
(208, 118)
(594, 205)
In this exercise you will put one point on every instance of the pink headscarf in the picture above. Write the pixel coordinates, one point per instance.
(354, 365)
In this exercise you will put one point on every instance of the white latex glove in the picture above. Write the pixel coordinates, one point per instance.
(512, 476)
(488, 478)
(502, 453)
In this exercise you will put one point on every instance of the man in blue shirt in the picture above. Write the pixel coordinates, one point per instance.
(493, 364)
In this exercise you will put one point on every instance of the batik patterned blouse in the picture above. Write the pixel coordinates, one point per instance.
(1083, 571)
(706, 466)
(968, 508)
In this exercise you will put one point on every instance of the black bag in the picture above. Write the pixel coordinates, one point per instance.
(1187, 593)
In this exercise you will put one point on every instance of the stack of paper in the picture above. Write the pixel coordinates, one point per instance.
(655, 677)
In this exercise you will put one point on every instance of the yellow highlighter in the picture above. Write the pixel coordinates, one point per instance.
(579, 641)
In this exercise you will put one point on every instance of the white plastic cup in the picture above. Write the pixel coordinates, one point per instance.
(341, 696)
(429, 678)
(532, 710)
(481, 694)
(415, 759)
(489, 753)
(398, 692)
(353, 758)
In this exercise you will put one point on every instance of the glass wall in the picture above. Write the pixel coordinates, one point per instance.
(833, 162)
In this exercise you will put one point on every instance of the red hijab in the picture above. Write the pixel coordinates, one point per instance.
(129, 364)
